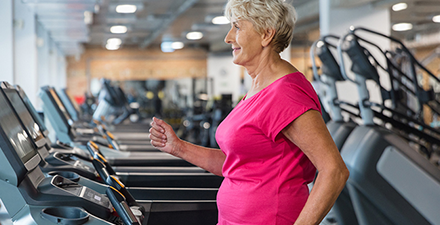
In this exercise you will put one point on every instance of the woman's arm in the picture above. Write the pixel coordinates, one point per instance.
(310, 134)
(163, 138)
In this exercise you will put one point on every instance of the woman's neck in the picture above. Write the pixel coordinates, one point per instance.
(266, 72)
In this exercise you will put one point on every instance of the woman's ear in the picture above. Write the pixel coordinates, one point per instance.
(267, 37)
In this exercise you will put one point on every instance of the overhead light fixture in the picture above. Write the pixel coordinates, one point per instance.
(113, 44)
(88, 17)
(166, 46)
(399, 6)
(118, 29)
(177, 45)
(220, 20)
(402, 26)
(112, 47)
(126, 8)
(436, 19)
(195, 35)
(114, 41)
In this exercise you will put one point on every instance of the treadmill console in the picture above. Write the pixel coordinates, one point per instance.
(81, 191)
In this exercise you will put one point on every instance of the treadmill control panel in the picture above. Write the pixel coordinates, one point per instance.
(81, 191)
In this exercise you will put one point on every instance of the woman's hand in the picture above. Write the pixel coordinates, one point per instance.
(163, 137)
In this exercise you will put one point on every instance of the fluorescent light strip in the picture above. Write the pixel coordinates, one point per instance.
(195, 35)
(118, 29)
(402, 26)
(112, 47)
(436, 19)
(399, 6)
(126, 8)
(177, 45)
(114, 41)
(220, 20)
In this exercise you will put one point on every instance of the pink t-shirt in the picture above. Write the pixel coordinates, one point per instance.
(266, 175)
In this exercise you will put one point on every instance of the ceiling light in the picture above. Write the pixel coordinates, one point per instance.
(195, 35)
(88, 17)
(220, 20)
(114, 41)
(436, 19)
(112, 47)
(126, 8)
(118, 29)
(166, 46)
(402, 26)
(177, 45)
(399, 6)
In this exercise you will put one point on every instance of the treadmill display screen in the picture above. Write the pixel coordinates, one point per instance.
(15, 132)
(59, 103)
(24, 115)
(31, 109)
(73, 103)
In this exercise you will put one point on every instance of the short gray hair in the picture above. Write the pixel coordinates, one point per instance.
(266, 14)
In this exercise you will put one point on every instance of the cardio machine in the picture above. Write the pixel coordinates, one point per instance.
(390, 182)
(76, 160)
(27, 193)
(338, 128)
(68, 130)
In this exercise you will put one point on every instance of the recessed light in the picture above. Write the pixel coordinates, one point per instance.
(112, 47)
(402, 26)
(436, 19)
(177, 45)
(195, 35)
(118, 29)
(166, 46)
(220, 20)
(399, 6)
(114, 41)
(126, 8)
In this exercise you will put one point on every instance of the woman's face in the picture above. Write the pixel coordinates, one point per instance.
(245, 41)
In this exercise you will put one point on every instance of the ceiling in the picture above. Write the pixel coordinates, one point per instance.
(74, 24)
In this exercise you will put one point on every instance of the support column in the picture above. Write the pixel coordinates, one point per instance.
(6, 41)
(226, 75)
(25, 50)
(43, 42)
(61, 69)
(53, 64)
(337, 20)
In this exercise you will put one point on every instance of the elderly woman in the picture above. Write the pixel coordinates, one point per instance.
(275, 139)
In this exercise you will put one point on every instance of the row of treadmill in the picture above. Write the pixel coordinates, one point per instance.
(101, 172)
(95, 172)
(390, 151)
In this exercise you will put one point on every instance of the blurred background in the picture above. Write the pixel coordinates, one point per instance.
(168, 56)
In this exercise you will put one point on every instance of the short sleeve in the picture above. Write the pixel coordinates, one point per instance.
(285, 102)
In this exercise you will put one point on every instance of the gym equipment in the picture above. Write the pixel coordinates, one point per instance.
(390, 182)
(68, 159)
(338, 128)
(70, 193)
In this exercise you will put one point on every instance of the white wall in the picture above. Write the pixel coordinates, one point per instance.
(338, 20)
(6, 41)
(225, 74)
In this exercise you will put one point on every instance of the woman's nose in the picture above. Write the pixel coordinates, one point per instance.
(229, 37)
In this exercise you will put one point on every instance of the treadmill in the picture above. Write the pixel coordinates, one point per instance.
(129, 134)
(30, 197)
(113, 103)
(69, 159)
(390, 182)
(64, 125)
(67, 134)
(340, 130)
